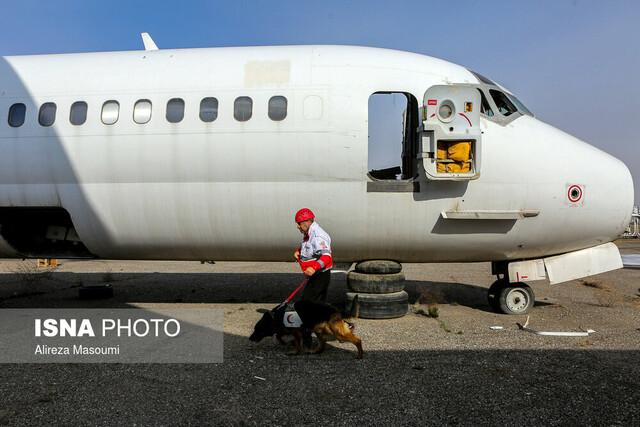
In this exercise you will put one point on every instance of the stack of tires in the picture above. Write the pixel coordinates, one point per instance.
(379, 285)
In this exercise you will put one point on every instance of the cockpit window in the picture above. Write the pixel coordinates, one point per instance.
(485, 108)
(506, 103)
(520, 105)
(483, 79)
(505, 106)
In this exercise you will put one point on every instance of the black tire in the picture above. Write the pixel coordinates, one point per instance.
(517, 298)
(95, 292)
(378, 266)
(493, 295)
(375, 283)
(380, 306)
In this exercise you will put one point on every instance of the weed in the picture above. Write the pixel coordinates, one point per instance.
(432, 311)
(591, 284)
(28, 273)
(444, 326)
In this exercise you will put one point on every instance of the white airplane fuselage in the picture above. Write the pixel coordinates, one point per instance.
(228, 189)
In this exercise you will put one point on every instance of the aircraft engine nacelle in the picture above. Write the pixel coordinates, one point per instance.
(451, 139)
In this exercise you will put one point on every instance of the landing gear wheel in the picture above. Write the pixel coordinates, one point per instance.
(517, 299)
(493, 295)
(511, 298)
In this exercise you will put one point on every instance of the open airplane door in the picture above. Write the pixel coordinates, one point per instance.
(451, 139)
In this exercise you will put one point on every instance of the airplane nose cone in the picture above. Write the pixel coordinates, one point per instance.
(592, 191)
(618, 195)
(607, 203)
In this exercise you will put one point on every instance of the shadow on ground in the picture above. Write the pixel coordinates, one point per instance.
(56, 289)
(391, 387)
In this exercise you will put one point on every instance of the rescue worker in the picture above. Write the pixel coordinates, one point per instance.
(314, 256)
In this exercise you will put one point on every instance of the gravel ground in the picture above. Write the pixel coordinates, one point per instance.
(416, 371)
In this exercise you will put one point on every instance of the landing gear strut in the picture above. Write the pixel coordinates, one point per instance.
(510, 298)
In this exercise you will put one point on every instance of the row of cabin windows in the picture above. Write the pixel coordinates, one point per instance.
(242, 111)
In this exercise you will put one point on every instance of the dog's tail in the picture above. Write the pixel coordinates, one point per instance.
(354, 311)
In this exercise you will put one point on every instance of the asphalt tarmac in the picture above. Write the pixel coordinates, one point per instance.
(416, 370)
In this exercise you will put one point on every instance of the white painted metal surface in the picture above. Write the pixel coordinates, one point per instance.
(148, 42)
(586, 262)
(527, 271)
(227, 190)
(526, 328)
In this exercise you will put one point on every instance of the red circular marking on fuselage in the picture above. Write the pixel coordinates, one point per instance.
(574, 199)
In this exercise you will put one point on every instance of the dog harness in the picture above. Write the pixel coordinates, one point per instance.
(315, 249)
(291, 319)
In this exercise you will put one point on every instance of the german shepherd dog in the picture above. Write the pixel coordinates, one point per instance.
(323, 319)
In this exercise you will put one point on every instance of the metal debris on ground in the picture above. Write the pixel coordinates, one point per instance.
(259, 378)
(496, 328)
(554, 334)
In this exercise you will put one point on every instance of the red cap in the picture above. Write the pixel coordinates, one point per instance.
(304, 214)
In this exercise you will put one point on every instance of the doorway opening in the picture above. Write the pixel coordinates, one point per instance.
(393, 136)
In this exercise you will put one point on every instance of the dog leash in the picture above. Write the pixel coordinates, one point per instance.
(290, 297)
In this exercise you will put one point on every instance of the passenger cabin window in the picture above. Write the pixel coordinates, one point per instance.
(175, 110)
(47, 114)
(78, 113)
(208, 109)
(242, 108)
(485, 108)
(393, 136)
(142, 111)
(17, 113)
(277, 108)
(110, 112)
(505, 106)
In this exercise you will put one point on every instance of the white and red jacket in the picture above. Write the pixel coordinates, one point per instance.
(315, 249)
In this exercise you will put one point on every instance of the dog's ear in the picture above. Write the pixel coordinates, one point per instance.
(262, 310)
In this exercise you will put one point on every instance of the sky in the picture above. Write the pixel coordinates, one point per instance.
(574, 63)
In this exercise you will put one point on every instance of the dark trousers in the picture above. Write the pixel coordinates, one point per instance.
(316, 289)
